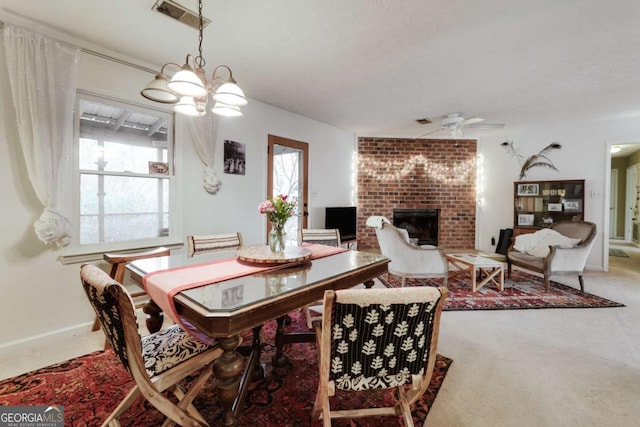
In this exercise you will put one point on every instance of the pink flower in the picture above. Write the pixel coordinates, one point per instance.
(266, 207)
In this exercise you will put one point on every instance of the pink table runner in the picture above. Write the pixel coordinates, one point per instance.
(162, 286)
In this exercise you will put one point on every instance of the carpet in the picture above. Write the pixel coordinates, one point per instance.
(91, 386)
(618, 253)
(522, 291)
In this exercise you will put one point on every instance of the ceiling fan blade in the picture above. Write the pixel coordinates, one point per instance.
(472, 121)
(487, 126)
(432, 132)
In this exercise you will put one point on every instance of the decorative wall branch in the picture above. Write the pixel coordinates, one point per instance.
(535, 160)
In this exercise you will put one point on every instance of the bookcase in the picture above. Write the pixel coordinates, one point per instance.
(538, 204)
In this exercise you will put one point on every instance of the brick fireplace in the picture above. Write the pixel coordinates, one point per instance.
(396, 173)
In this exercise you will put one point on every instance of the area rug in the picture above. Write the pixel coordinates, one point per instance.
(91, 386)
(618, 253)
(521, 291)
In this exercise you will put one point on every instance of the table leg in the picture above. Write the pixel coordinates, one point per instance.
(252, 371)
(490, 276)
(228, 370)
(155, 318)
(279, 359)
(369, 283)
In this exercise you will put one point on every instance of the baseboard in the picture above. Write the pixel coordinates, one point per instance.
(38, 341)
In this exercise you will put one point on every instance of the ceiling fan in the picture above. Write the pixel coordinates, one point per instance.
(454, 122)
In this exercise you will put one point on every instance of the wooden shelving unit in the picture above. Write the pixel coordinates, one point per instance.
(538, 204)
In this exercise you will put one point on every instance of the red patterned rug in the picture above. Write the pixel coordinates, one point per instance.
(91, 386)
(521, 291)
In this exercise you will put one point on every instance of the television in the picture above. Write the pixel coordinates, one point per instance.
(342, 218)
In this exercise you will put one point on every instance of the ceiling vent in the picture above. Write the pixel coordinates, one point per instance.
(424, 121)
(180, 13)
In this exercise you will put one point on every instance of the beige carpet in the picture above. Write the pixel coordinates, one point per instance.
(547, 367)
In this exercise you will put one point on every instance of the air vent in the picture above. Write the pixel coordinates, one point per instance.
(424, 121)
(180, 13)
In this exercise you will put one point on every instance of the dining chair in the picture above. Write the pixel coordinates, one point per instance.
(156, 362)
(329, 237)
(322, 236)
(119, 261)
(213, 242)
(377, 339)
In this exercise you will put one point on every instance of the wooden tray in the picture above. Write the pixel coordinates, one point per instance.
(263, 255)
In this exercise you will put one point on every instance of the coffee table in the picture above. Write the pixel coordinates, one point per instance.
(479, 268)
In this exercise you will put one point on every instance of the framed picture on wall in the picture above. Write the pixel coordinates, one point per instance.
(525, 219)
(555, 207)
(234, 157)
(528, 189)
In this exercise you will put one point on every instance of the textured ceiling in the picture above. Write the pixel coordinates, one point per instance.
(375, 66)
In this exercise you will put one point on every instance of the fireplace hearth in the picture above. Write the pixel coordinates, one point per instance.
(422, 224)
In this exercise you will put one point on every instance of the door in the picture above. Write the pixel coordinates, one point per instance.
(630, 203)
(613, 205)
(287, 174)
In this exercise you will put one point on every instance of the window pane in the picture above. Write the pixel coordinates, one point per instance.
(89, 197)
(131, 227)
(134, 208)
(90, 154)
(119, 139)
(121, 157)
(89, 232)
(132, 194)
(116, 141)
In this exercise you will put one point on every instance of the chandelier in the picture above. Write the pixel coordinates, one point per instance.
(190, 90)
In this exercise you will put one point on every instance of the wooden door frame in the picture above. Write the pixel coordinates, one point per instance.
(304, 147)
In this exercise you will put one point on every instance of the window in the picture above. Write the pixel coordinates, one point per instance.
(124, 158)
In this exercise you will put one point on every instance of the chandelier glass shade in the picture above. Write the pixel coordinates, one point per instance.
(190, 90)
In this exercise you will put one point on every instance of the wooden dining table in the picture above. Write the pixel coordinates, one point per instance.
(225, 309)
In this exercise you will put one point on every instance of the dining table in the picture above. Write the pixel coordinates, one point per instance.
(222, 309)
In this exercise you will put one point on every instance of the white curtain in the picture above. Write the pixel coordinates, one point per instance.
(42, 76)
(204, 131)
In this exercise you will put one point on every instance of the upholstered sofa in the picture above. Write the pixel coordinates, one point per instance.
(562, 248)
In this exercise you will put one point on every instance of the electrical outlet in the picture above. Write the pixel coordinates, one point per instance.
(595, 194)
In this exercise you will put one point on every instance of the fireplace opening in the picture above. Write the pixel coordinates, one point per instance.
(422, 224)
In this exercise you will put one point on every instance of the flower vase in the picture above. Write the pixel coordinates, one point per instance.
(277, 238)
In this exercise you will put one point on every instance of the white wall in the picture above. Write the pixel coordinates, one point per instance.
(39, 296)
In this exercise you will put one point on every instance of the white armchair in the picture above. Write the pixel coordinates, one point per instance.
(408, 260)
(567, 256)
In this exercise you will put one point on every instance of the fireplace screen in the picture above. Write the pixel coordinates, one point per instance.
(422, 224)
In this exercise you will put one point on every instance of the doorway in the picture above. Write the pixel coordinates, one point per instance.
(287, 174)
(620, 245)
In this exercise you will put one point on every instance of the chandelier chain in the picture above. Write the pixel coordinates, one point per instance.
(200, 62)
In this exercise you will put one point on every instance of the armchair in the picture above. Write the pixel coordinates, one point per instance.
(408, 260)
(566, 254)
